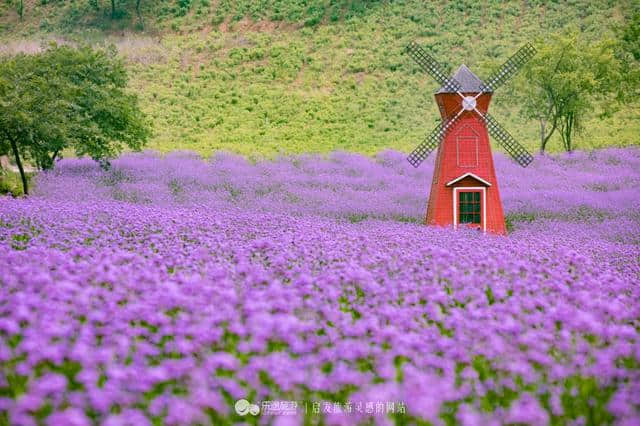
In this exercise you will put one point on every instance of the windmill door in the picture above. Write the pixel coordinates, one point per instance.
(469, 207)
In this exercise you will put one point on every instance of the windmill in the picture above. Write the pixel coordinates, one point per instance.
(464, 189)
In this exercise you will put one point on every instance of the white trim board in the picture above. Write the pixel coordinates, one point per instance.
(473, 138)
(476, 177)
(484, 205)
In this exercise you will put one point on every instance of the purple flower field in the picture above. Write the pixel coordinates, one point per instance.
(165, 289)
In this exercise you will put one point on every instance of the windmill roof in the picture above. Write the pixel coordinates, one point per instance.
(471, 175)
(469, 82)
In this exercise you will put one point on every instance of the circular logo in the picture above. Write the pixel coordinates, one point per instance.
(242, 407)
(254, 409)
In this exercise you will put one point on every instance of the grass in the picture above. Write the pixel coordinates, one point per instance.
(265, 77)
(10, 183)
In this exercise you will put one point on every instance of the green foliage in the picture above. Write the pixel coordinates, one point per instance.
(630, 35)
(566, 79)
(10, 183)
(20, 241)
(67, 98)
(584, 395)
(183, 7)
(627, 51)
(270, 77)
(357, 217)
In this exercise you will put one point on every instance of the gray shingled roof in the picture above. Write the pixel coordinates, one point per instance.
(467, 79)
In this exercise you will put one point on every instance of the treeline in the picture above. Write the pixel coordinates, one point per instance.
(79, 13)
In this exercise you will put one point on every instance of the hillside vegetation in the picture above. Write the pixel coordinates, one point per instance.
(290, 76)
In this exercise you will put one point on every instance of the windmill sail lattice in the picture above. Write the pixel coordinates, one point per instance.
(450, 84)
(517, 151)
(431, 66)
(431, 142)
(509, 68)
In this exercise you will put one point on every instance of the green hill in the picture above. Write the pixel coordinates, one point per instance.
(260, 77)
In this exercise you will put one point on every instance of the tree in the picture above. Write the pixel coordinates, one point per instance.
(627, 51)
(67, 98)
(565, 81)
(139, 14)
(118, 9)
(630, 36)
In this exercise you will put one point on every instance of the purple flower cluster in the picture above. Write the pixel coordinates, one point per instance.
(167, 288)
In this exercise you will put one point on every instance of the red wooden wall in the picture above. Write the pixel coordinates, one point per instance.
(465, 149)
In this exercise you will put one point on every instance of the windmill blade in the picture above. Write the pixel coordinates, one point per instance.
(431, 66)
(507, 141)
(431, 141)
(509, 68)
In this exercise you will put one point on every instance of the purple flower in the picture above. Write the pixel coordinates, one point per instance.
(171, 286)
(68, 417)
(527, 410)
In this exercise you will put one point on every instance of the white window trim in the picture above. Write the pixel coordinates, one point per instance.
(476, 177)
(484, 205)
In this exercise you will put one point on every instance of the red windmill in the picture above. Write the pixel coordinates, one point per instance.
(464, 190)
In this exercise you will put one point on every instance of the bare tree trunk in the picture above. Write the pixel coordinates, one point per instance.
(566, 131)
(54, 156)
(546, 138)
(14, 148)
(569, 132)
(47, 162)
(543, 143)
(139, 14)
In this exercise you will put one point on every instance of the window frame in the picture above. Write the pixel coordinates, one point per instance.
(483, 205)
(470, 207)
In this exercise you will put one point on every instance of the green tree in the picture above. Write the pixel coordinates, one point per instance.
(567, 80)
(630, 36)
(67, 98)
(628, 53)
(140, 21)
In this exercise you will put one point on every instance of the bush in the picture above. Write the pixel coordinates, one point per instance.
(183, 7)
(10, 183)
